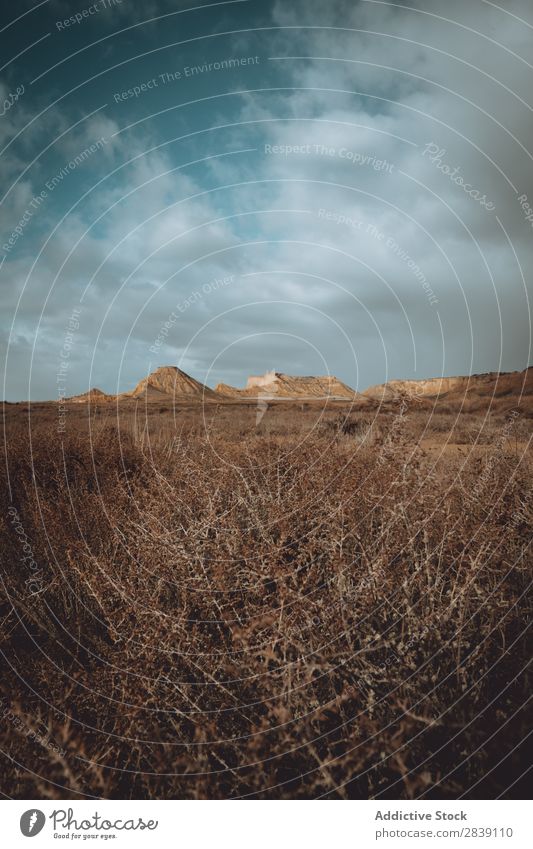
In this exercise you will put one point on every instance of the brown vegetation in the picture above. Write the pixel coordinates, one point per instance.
(310, 604)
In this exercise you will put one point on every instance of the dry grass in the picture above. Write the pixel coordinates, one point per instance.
(310, 606)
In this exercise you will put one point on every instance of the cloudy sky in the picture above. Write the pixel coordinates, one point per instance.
(313, 187)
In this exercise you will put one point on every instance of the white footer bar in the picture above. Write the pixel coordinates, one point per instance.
(264, 825)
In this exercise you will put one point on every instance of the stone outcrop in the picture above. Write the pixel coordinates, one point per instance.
(94, 396)
(170, 382)
(275, 384)
(492, 384)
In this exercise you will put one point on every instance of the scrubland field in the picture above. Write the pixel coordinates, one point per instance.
(288, 601)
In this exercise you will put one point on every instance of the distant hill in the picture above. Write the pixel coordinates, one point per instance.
(500, 391)
(170, 382)
(275, 384)
(477, 387)
(165, 384)
(95, 396)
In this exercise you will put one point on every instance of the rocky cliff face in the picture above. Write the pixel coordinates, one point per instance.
(168, 383)
(171, 382)
(278, 385)
(482, 385)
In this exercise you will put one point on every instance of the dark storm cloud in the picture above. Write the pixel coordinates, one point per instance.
(371, 179)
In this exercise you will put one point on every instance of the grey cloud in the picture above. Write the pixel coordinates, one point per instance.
(436, 226)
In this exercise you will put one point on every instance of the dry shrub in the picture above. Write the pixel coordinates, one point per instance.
(270, 615)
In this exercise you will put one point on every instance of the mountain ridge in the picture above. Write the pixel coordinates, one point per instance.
(277, 384)
(168, 383)
(486, 383)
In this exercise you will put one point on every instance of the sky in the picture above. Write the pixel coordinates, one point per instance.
(317, 188)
